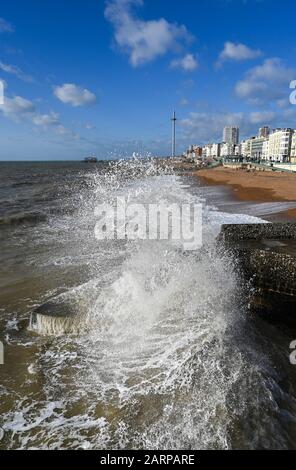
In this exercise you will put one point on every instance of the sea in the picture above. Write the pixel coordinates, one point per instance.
(166, 354)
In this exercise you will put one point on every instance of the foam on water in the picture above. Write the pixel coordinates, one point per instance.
(160, 358)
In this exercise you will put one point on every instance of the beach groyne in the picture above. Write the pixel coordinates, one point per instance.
(267, 258)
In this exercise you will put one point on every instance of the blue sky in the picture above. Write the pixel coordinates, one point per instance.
(103, 77)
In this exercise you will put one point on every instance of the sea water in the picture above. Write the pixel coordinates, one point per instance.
(165, 353)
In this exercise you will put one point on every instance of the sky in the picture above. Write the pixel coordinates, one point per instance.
(103, 77)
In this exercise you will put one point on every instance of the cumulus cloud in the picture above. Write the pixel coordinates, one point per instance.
(142, 40)
(259, 117)
(19, 109)
(203, 128)
(14, 70)
(5, 27)
(237, 52)
(188, 63)
(46, 120)
(74, 95)
(268, 82)
(208, 127)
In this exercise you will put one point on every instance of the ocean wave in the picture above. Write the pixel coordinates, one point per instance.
(161, 354)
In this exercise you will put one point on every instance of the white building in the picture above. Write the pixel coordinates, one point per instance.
(216, 150)
(227, 150)
(293, 148)
(207, 151)
(256, 148)
(246, 148)
(279, 148)
(265, 150)
(231, 135)
(238, 150)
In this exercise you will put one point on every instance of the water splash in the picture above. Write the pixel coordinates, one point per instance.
(162, 357)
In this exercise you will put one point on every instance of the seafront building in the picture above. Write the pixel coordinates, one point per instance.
(227, 149)
(293, 148)
(238, 150)
(279, 148)
(265, 150)
(231, 135)
(274, 146)
(207, 151)
(256, 148)
(216, 150)
(246, 148)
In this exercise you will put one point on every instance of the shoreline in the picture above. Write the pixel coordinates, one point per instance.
(254, 186)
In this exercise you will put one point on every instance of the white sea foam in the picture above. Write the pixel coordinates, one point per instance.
(157, 359)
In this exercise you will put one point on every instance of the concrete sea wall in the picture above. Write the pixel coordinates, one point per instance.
(267, 258)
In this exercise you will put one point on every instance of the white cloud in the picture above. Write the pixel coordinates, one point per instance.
(237, 52)
(17, 108)
(142, 40)
(46, 120)
(89, 126)
(208, 127)
(203, 128)
(14, 70)
(5, 27)
(188, 63)
(268, 82)
(259, 117)
(69, 93)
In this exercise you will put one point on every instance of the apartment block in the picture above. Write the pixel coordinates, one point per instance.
(246, 148)
(279, 148)
(227, 150)
(265, 150)
(256, 147)
(231, 135)
(238, 150)
(216, 150)
(207, 151)
(293, 147)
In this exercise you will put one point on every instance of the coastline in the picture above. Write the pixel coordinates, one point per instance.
(254, 186)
